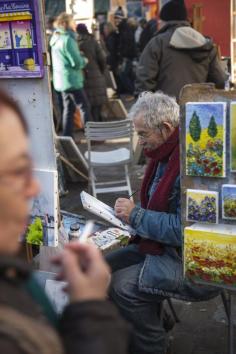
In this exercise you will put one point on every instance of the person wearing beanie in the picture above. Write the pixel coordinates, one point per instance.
(177, 55)
(126, 51)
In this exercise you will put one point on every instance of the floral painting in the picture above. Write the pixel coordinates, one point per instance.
(210, 254)
(229, 201)
(233, 137)
(202, 206)
(205, 139)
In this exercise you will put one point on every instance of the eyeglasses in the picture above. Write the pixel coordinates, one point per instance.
(144, 135)
(19, 177)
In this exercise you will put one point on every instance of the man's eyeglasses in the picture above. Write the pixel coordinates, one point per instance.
(144, 135)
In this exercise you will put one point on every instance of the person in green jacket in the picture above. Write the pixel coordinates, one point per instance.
(68, 65)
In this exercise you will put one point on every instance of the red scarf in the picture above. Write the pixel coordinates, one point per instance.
(159, 201)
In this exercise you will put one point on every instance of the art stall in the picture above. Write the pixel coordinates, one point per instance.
(24, 74)
(208, 176)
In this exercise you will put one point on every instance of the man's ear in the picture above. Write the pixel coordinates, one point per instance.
(168, 127)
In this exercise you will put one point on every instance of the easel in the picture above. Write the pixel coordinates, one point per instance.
(207, 93)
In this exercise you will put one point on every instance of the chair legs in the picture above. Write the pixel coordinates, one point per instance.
(113, 186)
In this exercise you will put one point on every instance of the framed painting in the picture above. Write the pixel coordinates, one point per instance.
(209, 254)
(20, 39)
(202, 206)
(205, 139)
(233, 137)
(229, 201)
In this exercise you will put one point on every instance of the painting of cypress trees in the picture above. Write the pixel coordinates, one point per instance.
(205, 139)
(233, 137)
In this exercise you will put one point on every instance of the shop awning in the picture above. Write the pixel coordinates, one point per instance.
(15, 16)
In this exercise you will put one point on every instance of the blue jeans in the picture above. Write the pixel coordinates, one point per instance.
(71, 99)
(142, 310)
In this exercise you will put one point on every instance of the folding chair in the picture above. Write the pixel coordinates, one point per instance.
(101, 131)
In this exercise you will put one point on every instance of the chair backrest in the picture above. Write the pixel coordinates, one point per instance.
(100, 131)
(109, 130)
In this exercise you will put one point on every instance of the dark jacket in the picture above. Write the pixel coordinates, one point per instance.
(147, 34)
(95, 84)
(176, 56)
(28, 324)
(126, 41)
(112, 42)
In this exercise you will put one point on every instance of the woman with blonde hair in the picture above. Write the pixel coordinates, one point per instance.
(68, 65)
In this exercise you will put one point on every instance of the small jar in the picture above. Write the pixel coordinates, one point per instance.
(74, 233)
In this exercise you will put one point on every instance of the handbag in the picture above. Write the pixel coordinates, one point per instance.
(79, 118)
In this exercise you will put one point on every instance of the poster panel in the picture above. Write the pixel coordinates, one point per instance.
(20, 39)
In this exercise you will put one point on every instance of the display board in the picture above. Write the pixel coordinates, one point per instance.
(208, 178)
(20, 39)
(34, 97)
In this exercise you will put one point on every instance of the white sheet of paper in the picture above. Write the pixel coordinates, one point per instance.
(103, 210)
(58, 298)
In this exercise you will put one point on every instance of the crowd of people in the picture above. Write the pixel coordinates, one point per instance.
(143, 56)
(115, 313)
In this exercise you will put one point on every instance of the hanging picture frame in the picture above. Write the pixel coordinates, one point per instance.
(205, 139)
(229, 201)
(202, 206)
(20, 39)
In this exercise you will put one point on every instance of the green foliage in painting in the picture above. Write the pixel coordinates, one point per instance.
(195, 127)
(212, 128)
(35, 232)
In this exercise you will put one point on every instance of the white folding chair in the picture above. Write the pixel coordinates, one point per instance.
(101, 131)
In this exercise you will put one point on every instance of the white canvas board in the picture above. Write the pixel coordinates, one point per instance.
(58, 297)
(45, 205)
(102, 210)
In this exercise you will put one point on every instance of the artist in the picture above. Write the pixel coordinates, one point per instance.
(150, 269)
(28, 324)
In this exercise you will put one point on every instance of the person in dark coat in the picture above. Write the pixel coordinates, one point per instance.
(111, 41)
(127, 52)
(148, 32)
(95, 83)
(28, 325)
(177, 55)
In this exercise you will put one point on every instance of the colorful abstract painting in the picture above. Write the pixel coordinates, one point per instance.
(210, 254)
(229, 201)
(202, 206)
(233, 137)
(205, 139)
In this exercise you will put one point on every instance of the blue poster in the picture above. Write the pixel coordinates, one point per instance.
(20, 39)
